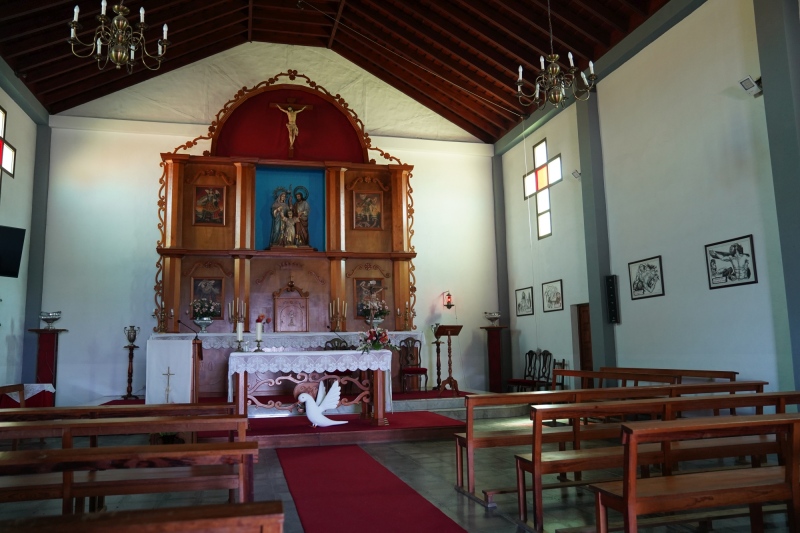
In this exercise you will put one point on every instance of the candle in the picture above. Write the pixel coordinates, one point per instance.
(165, 32)
(330, 309)
(520, 73)
(99, 46)
(345, 308)
(541, 61)
(239, 331)
(141, 15)
(230, 309)
(244, 309)
(76, 11)
(259, 330)
(171, 313)
(583, 77)
(103, 5)
(591, 68)
(406, 305)
(160, 50)
(398, 311)
(72, 33)
(133, 50)
(571, 62)
(536, 97)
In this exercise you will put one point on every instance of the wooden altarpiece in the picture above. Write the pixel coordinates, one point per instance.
(214, 211)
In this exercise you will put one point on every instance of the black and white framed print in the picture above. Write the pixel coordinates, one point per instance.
(731, 262)
(524, 301)
(552, 296)
(647, 278)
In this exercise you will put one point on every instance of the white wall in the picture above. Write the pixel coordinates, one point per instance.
(102, 232)
(15, 210)
(687, 164)
(455, 244)
(531, 261)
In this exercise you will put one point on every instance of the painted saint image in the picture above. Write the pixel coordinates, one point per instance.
(368, 210)
(209, 208)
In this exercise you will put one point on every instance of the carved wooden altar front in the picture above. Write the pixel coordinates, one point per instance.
(253, 215)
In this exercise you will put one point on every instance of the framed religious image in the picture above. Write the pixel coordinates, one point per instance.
(524, 301)
(362, 291)
(647, 278)
(367, 210)
(209, 206)
(731, 262)
(211, 290)
(552, 296)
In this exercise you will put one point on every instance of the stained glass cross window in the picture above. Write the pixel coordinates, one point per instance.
(547, 172)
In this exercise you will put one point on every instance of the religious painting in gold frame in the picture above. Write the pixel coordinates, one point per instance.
(209, 206)
(211, 289)
(361, 295)
(368, 210)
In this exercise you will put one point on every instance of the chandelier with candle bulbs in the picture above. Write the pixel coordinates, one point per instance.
(115, 40)
(552, 83)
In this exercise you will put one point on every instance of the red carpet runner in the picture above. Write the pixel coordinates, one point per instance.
(342, 488)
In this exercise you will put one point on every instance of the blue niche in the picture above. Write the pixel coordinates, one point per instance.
(270, 183)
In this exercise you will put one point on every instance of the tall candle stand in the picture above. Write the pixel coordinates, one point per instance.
(130, 333)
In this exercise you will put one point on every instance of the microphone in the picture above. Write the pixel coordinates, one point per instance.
(190, 329)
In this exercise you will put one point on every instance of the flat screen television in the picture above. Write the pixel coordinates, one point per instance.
(11, 242)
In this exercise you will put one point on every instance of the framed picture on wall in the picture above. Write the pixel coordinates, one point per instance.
(646, 278)
(367, 210)
(362, 288)
(524, 301)
(209, 206)
(731, 262)
(210, 289)
(552, 296)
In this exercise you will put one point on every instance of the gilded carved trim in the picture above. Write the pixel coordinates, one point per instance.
(158, 287)
(210, 172)
(317, 277)
(367, 179)
(369, 266)
(209, 264)
(290, 265)
(290, 287)
(267, 274)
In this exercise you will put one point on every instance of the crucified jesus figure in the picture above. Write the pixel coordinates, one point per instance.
(292, 125)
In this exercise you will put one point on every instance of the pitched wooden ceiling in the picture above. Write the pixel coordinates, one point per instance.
(459, 58)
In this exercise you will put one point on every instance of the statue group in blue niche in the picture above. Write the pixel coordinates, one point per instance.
(290, 212)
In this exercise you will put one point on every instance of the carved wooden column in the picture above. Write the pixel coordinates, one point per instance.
(334, 183)
(495, 349)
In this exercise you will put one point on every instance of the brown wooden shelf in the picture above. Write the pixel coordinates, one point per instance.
(289, 252)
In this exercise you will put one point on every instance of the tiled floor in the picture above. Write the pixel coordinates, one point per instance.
(428, 467)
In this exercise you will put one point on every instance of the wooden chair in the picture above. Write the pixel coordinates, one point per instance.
(538, 364)
(410, 363)
(559, 365)
(337, 343)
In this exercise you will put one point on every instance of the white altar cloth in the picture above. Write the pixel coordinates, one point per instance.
(174, 358)
(32, 389)
(292, 341)
(316, 361)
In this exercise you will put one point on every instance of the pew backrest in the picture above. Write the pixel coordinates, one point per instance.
(728, 375)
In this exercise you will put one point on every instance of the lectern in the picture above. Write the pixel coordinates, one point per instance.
(450, 331)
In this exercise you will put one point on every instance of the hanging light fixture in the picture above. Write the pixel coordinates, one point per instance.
(118, 38)
(552, 83)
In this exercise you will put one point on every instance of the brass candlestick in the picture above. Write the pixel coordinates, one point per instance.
(130, 333)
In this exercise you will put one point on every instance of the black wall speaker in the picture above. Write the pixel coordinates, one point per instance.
(612, 299)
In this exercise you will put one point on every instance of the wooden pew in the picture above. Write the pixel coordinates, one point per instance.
(727, 375)
(20, 414)
(474, 439)
(265, 517)
(539, 463)
(77, 473)
(588, 377)
(703, 490)
(19, 388)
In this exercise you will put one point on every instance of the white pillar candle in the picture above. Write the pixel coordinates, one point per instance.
(583, 77)
(76, 11)
(165, 32)
(259, 330)
(103, 5)
(99, 47)
(571, 62)
(239, 331)
(541, 61)
(72, 32)
(133, 53)
(141, 15)
(520, 73)
(591, 67)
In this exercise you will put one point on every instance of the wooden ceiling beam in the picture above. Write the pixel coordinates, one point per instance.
(37, 67)
(301, 29)
(88, 76)
(473, 109)
(336, 23)
(636, 6)
(15, 9)
(59, 103)
(382, 72)
(456, 72)
(571, 19)
(602, 12)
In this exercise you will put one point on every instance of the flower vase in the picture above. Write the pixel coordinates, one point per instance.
(203, 323)
(376, 321)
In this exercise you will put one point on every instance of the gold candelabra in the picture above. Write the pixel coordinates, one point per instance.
(237, 312)
(337, 311)
(406, 315)
(161, 320)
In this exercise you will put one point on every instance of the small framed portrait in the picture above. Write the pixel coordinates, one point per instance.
(211, 290)
(209, 206)
(367, 210)
(363, 289)
(647, 278)
(524, 301)
(731, 262)
(552, 296)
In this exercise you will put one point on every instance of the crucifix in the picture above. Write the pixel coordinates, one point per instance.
(166, 391)
(291, 109)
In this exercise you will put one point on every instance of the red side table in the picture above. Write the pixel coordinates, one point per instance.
(494, 347)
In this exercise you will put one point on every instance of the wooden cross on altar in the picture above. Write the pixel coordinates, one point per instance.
(291, 109)
(166, 391)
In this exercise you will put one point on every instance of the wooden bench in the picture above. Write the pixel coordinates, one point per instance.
(728, 375)
(540, 463)
(19, 388)
(265, 517)
(594, 379)
(709, 489)
(78, 473)
(474, 439)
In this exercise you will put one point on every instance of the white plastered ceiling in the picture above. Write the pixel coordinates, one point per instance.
(195, 93)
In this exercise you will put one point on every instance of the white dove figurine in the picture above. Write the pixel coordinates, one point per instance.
(314, 409)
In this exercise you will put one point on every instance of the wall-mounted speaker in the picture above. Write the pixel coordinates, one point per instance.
(612, 299)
